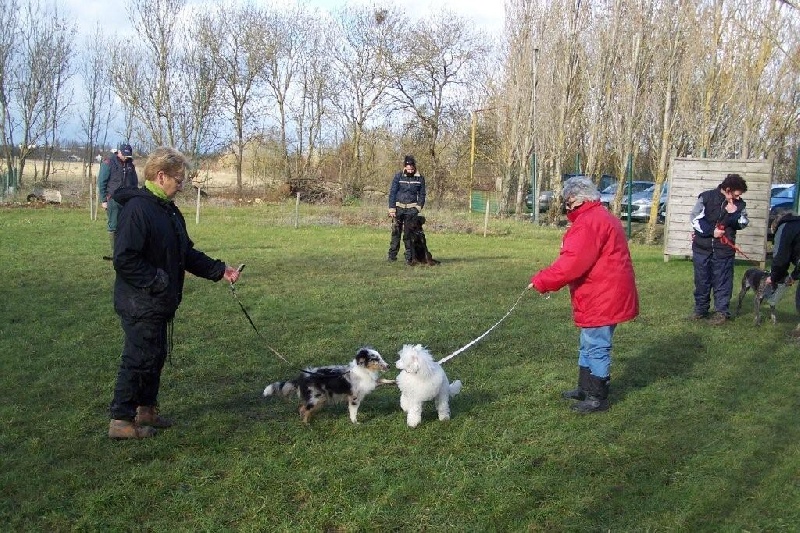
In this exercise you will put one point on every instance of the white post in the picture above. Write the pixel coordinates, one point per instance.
(197, 207)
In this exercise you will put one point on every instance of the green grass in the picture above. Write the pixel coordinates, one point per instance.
(703, 433)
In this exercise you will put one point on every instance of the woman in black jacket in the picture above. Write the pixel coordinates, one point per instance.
(152, 252)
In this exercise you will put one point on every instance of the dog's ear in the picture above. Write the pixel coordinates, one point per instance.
(413, 366)
(362, 357)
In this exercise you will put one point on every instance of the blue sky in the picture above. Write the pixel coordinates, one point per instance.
(487, 15)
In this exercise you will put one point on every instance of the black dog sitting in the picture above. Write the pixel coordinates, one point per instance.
(756, 279)
(415, 239)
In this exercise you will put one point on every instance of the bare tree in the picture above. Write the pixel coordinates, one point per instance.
(144, 73)
(9, 42)
(431, 71)
(94, 72)
(196, 97)
(38, 78)
(234, 38)
(360, 67)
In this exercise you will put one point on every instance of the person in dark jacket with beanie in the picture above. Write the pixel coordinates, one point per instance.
(786, 253)
(716, 217)
(116, 171)
(406, 198)
(152, 252)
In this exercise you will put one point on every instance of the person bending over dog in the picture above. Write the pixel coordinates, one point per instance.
(785, 253)
(715, 218)
(152, 251)
(406, 199)
(595, 263)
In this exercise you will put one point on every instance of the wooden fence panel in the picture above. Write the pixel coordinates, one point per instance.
(689, 177)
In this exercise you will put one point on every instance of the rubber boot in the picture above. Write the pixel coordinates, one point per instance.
(125, 429)
(147, 415)
(596, 396)
(578, 393)
(112, 235)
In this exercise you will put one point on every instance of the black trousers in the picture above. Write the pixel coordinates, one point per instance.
(398, 222)
(139, 377)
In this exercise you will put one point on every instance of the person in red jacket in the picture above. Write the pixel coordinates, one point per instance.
(596, 265)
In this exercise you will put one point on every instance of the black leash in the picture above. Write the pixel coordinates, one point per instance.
(273, 350)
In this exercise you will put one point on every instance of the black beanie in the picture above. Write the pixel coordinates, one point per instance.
(409, 160)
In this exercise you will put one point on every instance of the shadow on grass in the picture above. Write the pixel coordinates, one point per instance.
(671, 358)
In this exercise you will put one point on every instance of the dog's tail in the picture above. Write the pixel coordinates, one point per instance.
(455, 387)
(280, 388)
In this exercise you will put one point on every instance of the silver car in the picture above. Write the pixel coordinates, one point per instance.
(639, 208)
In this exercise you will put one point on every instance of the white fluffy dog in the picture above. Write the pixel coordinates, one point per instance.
(422, 379)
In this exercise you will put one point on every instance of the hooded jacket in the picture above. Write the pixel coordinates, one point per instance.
(152, 252)
(596, 265)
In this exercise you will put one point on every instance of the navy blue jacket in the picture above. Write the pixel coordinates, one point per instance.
(152, 252)
(708, 212)
(407, 189)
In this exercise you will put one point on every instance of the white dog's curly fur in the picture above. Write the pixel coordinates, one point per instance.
(422, 379)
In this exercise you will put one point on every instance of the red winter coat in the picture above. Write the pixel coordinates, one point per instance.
(596, 264)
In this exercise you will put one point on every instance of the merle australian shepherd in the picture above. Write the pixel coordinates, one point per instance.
(317, 385)
(415, 236)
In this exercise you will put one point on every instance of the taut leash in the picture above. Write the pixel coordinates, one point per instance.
(471, 343)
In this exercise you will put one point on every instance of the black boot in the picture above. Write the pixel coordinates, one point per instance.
(578, 393)
(596, 396)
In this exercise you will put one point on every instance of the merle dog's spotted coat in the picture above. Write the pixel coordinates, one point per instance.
(315, 386)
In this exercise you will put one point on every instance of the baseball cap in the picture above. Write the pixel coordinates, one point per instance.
(126, 150)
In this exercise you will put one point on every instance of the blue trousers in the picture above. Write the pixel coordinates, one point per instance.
(712, 272)
(595, 350)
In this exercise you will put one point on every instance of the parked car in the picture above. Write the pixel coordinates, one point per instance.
(605, 181)
(641, 202)
(607, 194)
(545, 199)
(781, 193)
(782, 201)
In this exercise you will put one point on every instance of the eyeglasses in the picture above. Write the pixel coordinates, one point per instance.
(177, 179)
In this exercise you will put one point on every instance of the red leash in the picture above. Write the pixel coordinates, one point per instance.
(725, 240)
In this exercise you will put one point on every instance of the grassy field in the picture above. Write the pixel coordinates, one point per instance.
(703, 433)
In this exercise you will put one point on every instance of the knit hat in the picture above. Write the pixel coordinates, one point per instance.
(409, 160)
